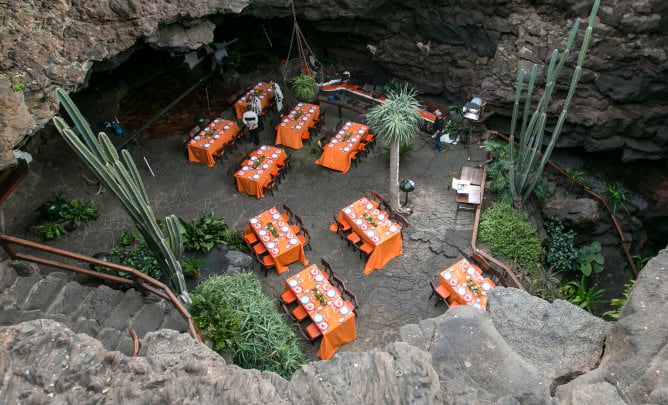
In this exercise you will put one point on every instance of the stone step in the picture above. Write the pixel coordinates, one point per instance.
(173, 319)
(7, 276)
(109, 338)
(94, 310)
(148, 318)
(69, 298)
(127, 307)
(45, 291)
(16, 294)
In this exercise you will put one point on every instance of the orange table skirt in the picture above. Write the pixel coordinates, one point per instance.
(261, 89)
(197, 148)
(246, 180)
(286, 132)
(466, 284)
(334, 154)
(340, 328)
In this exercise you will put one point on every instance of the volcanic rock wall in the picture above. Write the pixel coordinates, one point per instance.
(455, 49)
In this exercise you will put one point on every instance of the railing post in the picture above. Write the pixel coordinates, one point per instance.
(139, 285)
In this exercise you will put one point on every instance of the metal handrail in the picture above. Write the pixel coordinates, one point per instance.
(139, 280)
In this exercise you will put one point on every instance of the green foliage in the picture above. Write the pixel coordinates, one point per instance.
(392, 86)
(618, 303)
(456, 113)
(405, 149)
(617, 196)
(527, 164)
(640, 262)
(135, 253)
(203, 233)
(541, 190)
(454, 130)
(50, 230)
(577, 293)
(242, 322)
(303, 86)
(58, 214)
(509, 233)
(542, 282)
(576, 175)
(191, 266)
(561, 252)
(18, 86)
(590, 258)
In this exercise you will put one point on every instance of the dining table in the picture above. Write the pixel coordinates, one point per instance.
(203, 146)
(257, 169)
(466, 284)
(374, 227)
(333, 315)
(263, 90)
(291, 127)
(337, 154)
(272, 229)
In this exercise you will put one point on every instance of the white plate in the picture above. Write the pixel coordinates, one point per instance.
(197, 137)
(276, 216)
(470, 271)
(226, 127)
(206, 145)
(285, 229)
(447, 275)
(317, 318)
(381, 217)
(330, 145)
(341, 132)
(346, 149)
(311, 110)
(361, 131)
(370, 233)
(294, 241)
(253, 220)
(263, 147)
(319, 277)
(331, 293)
(216, 121)
(245, 168)
(393, 228)
(486, 286)
(347, 210)
(304, 119)
(299, 104)
(262, 232)
(243, 98)
(376, 239)
(274, 155)
(292, 283)
(305, 299)
(333, 141)
(274, 251)
(349, 123)
(461, 290)
(265, 166)
(256, 176)
(216, 136)
(359, 221)
(369, 206)
(253, 158)
(271, 245)
(286, 120)
(298, 127)
(344, 310)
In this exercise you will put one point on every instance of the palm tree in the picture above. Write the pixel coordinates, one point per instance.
(395, 122)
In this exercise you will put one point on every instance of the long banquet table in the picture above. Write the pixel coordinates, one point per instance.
(289, 131)
(334, 316)
(337, 154)
(252, 177)
(202, 147)
(466, 284)
(273, 231)
(374, 228)
(263, 91)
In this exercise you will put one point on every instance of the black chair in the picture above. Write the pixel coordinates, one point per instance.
(343, 229)
(337, 282)
(298, 221)
(310, 333)
(440, 292)
(266, 262)
(328, 268)
(349, 296)
(305, 238)
(270, 186)
(287, 209)
(287, 311)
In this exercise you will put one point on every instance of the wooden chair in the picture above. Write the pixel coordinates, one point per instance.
(370, 141)
(299, 313)
(311, 333)
(337, 282)
(353, 158)
(306, 136)
(349, 296)
(399, 219)
(440, 292)
(342, 228)
(305, 238)
(365, 249)
(353, 239)
(288, 297)
(328, 269)
(287, 312)
(250, 238)
(289, 212)
(362, 149)
(266, 262)
(259, 248)
(270, 186)
(298, 220)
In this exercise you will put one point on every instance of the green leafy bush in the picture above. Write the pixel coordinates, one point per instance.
(242, 322)
(201, 234)
(509, 233)
(303, 86)
(561, 252)
(618, 197)
(618, 303)
(59, 214)
(132, 252)
(50, 230)
(191, 266)
(405, 149)
(577, 293)
(590, 258)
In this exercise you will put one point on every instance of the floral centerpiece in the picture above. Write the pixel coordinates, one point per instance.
(347, 136)
(319, 296)
(370, 219)
(272, 230)
(298, 114)
(473, 287)
(209, 132)
(258, 162)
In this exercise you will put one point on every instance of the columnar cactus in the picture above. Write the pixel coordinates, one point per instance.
(526, 166)
(123, 181)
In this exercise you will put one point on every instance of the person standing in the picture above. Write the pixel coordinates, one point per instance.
(251, 121)
(278, 97)
(255, 105)
(438, 130)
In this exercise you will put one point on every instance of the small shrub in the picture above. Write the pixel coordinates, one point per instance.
(303, 86)
(543, 282)
(618, 303)
(50, 230)
(241, 321)
(561, 252)
(59, 214)
(577, 293)
(576, 175)
(18, 86)
(590, 258)
(405, 149)
(135, 253)
(191, 266)
(617, 196)
(541, 190)
(201, 234)
(509, 233)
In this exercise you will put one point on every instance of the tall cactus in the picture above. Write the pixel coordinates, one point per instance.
(123, 181)
(526, 164)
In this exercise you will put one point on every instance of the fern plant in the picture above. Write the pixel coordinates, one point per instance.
(303, 86)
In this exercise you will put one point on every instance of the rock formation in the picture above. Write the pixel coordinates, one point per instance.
(522, 350)
(475, 49)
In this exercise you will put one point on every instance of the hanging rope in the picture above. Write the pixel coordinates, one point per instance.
(304, 63)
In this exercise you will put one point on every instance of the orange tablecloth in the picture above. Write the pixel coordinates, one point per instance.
(201, 148)
(337, 324)
(265, 93)
(252, 177)
(336, 154)
(384, 236)
(289, 131)
(466, 284)
(284, 249)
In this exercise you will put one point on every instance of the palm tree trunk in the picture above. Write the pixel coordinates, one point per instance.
(394, 175)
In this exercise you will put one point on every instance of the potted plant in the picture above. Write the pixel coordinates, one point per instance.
(303, 86)
(191, 266)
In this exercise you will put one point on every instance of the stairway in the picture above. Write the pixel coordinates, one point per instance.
(96, 310)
